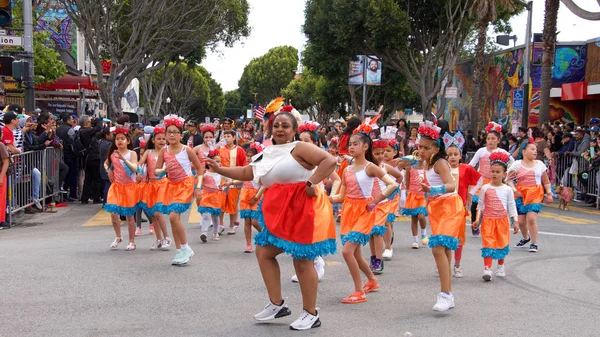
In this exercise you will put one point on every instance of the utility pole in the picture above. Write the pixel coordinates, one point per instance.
(28, 56)
(364, 91)
(526, 67)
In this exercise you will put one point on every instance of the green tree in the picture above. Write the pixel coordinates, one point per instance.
(233, 105)
(216, 104)
(264, 77)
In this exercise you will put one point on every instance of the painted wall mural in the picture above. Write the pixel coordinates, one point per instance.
(503, 76)
(56, 21)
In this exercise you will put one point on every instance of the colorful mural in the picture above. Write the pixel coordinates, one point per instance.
(56, 21)
(503, 76)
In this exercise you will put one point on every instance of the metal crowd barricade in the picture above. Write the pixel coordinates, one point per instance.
(34, 179)
(576, 173)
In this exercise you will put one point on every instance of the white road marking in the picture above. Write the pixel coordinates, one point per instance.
(571, 235)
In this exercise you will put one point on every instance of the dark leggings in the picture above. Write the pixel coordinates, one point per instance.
(474, 211)
(138, 217)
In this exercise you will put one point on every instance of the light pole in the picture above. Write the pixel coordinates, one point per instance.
(168, 102)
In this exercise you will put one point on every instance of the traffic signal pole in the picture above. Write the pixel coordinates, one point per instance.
(28, 57)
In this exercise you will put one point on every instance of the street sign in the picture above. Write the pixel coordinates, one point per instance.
(408, 112)
(451, 92)
(518, 96)
(3, 32)
(10, 41)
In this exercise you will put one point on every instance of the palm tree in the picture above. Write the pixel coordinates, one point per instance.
(580, 12)
(549, 38)
(485, 12)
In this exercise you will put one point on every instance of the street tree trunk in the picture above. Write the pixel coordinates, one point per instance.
(478, 75)
(549, 38)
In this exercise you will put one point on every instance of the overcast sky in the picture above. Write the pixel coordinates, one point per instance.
(276, 23)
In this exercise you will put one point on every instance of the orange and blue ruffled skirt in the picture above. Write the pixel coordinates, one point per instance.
(381, 216)
(150, 193)
(446, 216)
(531, 200)
(495, 237)
(415, 204)
(357, 222)
(299, 225)
(212, 202)
(123, 199)
(393, 207)
(248, 211)
(177, 196)
(231, 202)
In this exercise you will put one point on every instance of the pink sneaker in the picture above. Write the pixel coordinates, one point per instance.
(138, 231)
(151, 229)
(248, 248)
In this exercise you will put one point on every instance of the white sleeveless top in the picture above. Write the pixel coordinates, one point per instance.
(278, 166)
(434, 179)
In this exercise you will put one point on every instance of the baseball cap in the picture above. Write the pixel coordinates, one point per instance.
(594, 121)
(9, 117)
(594, 129)
(16, 108)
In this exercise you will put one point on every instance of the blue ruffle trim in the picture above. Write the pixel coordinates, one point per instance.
(211, 210)
(414, 211)
(496, 254)
(296, 250)
(524, 209)
(378, 230)
(248, 214)
(475, 198)
(176, 208)
(394, 194)
(116, 209)
(356, 237)
(161, 175)
(443, 240)
(149, 210)
(391, 217)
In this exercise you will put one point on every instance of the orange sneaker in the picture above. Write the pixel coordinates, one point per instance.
(371, 286)
(355, 297)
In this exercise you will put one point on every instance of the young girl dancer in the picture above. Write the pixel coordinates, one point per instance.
(213, 199)
(123, 196)
(496, 205)
(415, 204)
(532, 179)
(389, 154)
(154, 187)
(464, 176)
(208, 135)
(482, 158)
(357, 211)
(444, 207)
(294, 218)
(232, 156)
(249, 198)
(177, 196)
(383, 208)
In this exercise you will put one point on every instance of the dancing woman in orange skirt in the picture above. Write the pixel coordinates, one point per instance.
(496, 205)
(444, 207)
(532, 180)
(154, 187)
(123, 196)
(177, 196)
(295, 219)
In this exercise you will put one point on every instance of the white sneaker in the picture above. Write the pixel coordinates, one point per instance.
(487, 274)
(458, 272)
(216, 237)
(295, 278)
(444, 302)
(273, 311)
(415, 245)
(500, 272)
(320, 268)
(387, 254)
(306, 321)
(231, 231)
(156, 245)
(166, 243)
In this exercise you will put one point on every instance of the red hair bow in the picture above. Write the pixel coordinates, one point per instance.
(381, 143)
(310, 127)
(121, 129)
(257, 146)
(335, 140)
(159, 129)
(492, 126)
(174, 120)
(499, 157)
(213, 153)
(208, 128)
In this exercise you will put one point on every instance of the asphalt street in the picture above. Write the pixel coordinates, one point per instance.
(59, 278)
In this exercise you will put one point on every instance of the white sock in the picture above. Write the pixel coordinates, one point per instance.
(185, 246)
(416, 238)
(424, 232)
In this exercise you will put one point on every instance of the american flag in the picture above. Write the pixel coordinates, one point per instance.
(259, 112)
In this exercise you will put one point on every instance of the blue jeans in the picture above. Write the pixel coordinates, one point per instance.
(36, 177)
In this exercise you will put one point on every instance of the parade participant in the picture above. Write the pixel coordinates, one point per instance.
(357, 210)
(213, 199)
(415, 205)
(294, 218)
(444, 206)
(482, 157)
(389, 154)
(208, 144)
(232, 156)
(334, 151)
(249, 197)
(177, 196)
(154, 187)
(123, 196)
(496, 205)
(532, 180)
(464, 176)
(383, 208)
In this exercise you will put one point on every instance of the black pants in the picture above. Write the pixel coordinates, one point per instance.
(92, 183)
(71, 179)
(63, 170)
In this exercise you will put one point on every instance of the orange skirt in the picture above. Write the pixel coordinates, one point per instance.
(446, 216)
(495, 237)
(177, 196)
(122, 199)
(231, 201)
(248, 211)
(531, 200)
(414, 205)
(299, 225)
(212, 202)
(462, 235)
(150, 193)
(357, 222)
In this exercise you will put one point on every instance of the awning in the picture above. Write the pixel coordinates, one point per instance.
(69, 82)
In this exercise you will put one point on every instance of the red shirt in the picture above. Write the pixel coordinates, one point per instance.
(7, 136)
(467, 176)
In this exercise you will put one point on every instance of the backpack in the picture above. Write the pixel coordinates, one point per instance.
(78, 148)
